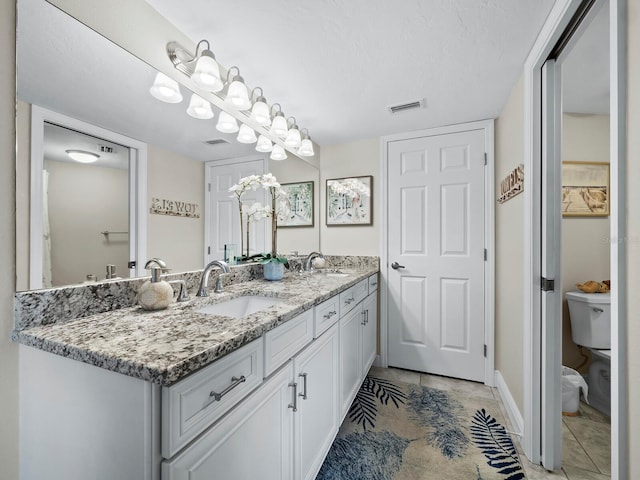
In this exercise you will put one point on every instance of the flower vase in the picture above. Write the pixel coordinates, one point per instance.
(273, 271)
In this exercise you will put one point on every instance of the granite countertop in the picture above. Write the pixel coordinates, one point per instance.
(167, 345)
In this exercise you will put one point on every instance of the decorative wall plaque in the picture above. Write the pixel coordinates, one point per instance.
(174, 208)
(512, 185)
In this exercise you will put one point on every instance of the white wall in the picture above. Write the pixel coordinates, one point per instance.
(8, 351)
(509, 237)
(23, 193)
(633, 235)
(85, 200)
(179, 241)
(585, 138)
(357, 158)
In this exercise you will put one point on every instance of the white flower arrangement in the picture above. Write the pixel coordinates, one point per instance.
(351, 187)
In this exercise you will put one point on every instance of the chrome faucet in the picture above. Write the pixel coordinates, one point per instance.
(308, 262)
(159, 262)
(204, 280)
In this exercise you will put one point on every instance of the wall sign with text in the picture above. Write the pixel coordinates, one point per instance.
(175, 208)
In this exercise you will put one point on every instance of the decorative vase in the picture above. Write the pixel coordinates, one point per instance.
(273, 271)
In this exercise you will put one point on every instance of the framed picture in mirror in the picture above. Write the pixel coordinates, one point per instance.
(349, 201)
(296, 208)
(585, 189)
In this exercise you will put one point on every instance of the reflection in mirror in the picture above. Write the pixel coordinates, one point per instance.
(67, 68)
(85, 208)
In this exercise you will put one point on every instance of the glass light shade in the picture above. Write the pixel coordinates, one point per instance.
(246, 134)
(264, 144)
(260, 113)
(207, 73)
(226, 123)
(165, 89)
(237, 95)
(199, 108)
(293, 139)
(279, 126)
(82, 156)
(278, 153)
(306, 148)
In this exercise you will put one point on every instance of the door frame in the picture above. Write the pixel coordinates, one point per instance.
(489, 236)
(207, 195)
(556, 23)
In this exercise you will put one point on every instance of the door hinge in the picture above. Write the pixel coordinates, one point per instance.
(208, 250)
(209, 187)
(485, 158)
(485, 254)
(131, 264)
(547, 285)
(485, 351)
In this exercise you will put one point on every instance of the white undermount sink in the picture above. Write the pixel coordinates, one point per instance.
(332, 273)
(240, 306)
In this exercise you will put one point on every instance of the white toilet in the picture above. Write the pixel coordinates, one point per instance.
(590, 315)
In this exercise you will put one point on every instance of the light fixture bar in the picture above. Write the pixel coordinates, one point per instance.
(183, 60)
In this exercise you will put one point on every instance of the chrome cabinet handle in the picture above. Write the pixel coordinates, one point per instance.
(396, 266)
(349, 301)
(304, 386)
(294, 405)
(364, 317)
(329, 315)
(597, 310)
(236, 381)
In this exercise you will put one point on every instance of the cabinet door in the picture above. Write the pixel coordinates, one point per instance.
(253, 441)
(369, 332)
(350, 358)
(316, 421)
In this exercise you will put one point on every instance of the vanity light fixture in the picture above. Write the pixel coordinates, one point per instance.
(199, 108)
(246, 134)
(279, 126)
(226, 123)
(260, 110)
(83, 156)
(264, 144)
(278, 153)
(202, 67)
(165, 89)
(293, 139)
(237, 94)
(306, 146)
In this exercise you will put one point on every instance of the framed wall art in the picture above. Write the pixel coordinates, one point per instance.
(297, 205)
(349, 201)
(585, 189)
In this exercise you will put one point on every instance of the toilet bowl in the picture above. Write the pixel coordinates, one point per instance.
(590, 315)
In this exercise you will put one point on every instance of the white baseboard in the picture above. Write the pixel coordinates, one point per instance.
(510, 405)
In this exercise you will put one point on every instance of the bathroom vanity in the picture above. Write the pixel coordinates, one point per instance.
(181, 394)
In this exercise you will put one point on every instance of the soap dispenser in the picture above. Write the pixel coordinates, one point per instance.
(155, 294)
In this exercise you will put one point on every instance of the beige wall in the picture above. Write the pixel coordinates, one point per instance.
(8, 351)
(23, 193)
(357, 158)
(299, 239)
(585, 138)
(100, 198)
(509, 239)
(179, 241)
(633, 234)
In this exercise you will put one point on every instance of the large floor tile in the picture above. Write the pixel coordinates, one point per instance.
(575, 473)
(536, 472)
(406, 376)
(455, 385)
(595, 439)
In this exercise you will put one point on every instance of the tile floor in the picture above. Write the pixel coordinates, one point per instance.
(585, 438)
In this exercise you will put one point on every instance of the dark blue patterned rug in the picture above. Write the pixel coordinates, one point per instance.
(399, 431)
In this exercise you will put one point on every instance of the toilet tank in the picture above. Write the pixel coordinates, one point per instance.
(590, 315)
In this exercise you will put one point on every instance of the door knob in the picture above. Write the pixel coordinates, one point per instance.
(396, 265)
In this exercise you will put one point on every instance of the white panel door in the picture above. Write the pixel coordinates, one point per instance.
(222, 209)
(436, 254)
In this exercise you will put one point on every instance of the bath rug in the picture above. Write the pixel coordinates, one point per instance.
(401, 431)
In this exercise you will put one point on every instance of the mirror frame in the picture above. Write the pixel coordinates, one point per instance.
(137, 188)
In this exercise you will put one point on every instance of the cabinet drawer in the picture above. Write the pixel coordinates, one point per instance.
(282, 343)
(373, 283)
(326, 314)
(353, 295)
(192, 404)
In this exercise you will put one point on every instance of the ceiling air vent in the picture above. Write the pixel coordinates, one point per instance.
(403, 107)
(105, 149)
(216, 141)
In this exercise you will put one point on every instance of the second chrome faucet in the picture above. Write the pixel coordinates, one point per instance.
(204, 280)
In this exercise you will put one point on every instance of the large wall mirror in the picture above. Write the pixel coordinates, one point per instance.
(95, 97)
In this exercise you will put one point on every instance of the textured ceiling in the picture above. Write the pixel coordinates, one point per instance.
(336, 65)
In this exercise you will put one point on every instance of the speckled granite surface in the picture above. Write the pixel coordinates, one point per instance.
(167, 345)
